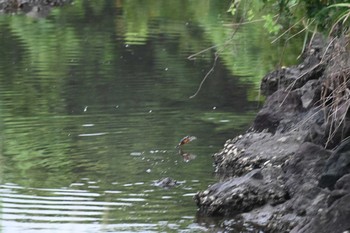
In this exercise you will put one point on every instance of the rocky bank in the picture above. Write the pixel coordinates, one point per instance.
(32, 8)
(290, 171)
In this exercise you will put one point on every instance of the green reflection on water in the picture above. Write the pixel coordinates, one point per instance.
(98, 82)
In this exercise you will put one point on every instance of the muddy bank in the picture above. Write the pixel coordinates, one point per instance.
(290, 171)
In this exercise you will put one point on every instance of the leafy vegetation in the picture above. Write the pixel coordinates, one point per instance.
(283, 15)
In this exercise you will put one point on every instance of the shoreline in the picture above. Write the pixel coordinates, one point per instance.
(289, 172)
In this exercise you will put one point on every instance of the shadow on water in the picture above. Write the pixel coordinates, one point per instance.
(93, 100)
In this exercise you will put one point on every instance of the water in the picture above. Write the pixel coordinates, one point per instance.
(95, 97)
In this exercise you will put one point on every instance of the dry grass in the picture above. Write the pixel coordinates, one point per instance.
(335, 95)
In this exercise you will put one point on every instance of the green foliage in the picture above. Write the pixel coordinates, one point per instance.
(280, 15)
(271, 25)
(344, 14)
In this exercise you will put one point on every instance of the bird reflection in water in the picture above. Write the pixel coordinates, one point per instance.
(186, 156)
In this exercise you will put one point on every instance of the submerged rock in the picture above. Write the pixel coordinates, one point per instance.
(282, 175)
(166, 182)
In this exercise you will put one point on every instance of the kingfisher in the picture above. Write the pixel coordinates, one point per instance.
(186, 140)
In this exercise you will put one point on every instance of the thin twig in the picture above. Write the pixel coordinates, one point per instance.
(192, 57)
(205, 77)
(243, 23)
(217, 54)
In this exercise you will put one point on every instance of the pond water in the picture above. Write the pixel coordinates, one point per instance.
(95, 97)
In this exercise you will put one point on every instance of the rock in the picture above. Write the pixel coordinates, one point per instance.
(281, 105)
(281, 175)
(343, 183)
(295, 77)
(334, 219)
(310, 93)
(337, 165)
(305, 167)
(166, 182)
(255, 150)
(242, 194)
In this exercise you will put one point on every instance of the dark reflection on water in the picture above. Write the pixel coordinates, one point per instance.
(93, 101)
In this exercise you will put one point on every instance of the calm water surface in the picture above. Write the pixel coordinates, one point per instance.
(93, 100)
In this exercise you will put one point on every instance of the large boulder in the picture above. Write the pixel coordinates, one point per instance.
(284, 174)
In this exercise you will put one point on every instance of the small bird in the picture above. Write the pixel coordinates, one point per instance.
(186, 140)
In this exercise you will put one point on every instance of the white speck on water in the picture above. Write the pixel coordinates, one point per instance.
(148, 170)
(113, 191)
(85, 109)
(88, 125)
(214, 108)
(150, 111)
(92, 182)
(189, 194)
(187, 217)
(224, 121)
(166, 69)
(136, 153)
(126, 46)
(91, 134)
(117, 106)
(76, 184)
(139, 183)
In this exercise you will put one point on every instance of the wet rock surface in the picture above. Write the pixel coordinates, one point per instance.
(255, 189)
(290, 171)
